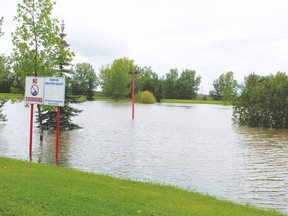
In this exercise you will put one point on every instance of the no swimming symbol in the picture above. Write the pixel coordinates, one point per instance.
(34, 90)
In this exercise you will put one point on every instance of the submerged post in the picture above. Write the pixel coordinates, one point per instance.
(31, 131)
(57, 133)
(133, 91)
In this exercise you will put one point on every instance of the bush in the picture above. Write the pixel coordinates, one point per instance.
(145, 97)
(263, 102)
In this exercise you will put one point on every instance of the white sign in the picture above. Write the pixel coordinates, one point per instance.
(54, 88)
(45, 90)
(34, 90)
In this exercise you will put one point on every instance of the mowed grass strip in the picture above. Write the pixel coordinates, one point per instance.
(194, 101)
(7, 96)
(38, 189)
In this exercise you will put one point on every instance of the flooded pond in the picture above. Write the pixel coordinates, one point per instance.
(195, 147)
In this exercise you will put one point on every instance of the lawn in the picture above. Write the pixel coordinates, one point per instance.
(28, 188)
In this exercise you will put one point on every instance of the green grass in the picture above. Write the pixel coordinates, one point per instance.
(7, 96)
(38, 189)
(193, 101)
(103, 98)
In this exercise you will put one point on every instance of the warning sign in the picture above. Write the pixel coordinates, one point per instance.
(45, 90)
(34, 90)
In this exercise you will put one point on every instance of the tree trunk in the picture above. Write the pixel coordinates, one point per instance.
(40, 121)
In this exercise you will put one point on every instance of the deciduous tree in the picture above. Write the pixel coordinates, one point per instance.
(263, 101)
(188, 84)
(36, 43)
(225, 87)
(115, 80)
(84, 80)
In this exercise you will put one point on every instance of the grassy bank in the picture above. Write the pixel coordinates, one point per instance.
(103, 98)
(7, 96)
(38, 189)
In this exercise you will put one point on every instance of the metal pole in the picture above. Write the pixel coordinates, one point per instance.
(133, 89)
(31, 131)
(57, 133)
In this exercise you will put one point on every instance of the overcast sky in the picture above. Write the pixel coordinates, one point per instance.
(208, 36)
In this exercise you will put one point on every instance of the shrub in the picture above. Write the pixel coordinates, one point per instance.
(145, 97)
(263, 102)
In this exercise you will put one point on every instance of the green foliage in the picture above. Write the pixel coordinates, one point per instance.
(5, 75)
(2, 116)
(184, 87)
(170, 84)
(188, 84)
(115, 80)
(84, 80)
(67, 113)
(36, 42)
(148, 80)
(146, 97)
(40, 189)
(225, 87)
(263, 101)
(1, 23)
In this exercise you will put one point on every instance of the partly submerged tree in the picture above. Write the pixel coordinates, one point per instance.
(64, 58)
(2, 102)
(36, 44)
(2, 116)
(115, 80)
(263, 101)
(225, 87)
(84, 80)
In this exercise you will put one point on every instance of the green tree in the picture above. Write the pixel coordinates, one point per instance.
(64, 58)
(188, 84)
(147, 80)
(36, 44)
(263, 101)
(225, 87)
(171, 84)
(2, 116)
(5, 75)
(115, 80)
(1, 23)
(2, 70)
(84, 80)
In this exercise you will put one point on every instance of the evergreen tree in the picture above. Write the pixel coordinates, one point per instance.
(67, 111)
(2, 116)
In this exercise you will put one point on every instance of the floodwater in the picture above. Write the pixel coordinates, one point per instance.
(195, 147)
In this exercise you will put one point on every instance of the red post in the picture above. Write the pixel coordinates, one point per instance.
(31, 131)
(57, 133)
(133, 89)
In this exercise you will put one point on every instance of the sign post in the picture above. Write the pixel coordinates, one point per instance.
(34, 93)
(31, 131)
(133, 91)
(47, 91)
(55, 96)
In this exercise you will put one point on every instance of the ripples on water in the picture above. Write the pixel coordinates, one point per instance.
(192, 146)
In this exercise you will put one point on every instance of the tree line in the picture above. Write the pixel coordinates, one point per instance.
(40, 49)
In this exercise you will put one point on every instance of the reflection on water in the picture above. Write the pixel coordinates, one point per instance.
(192, 146)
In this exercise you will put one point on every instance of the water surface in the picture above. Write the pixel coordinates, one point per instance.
(195, 147)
